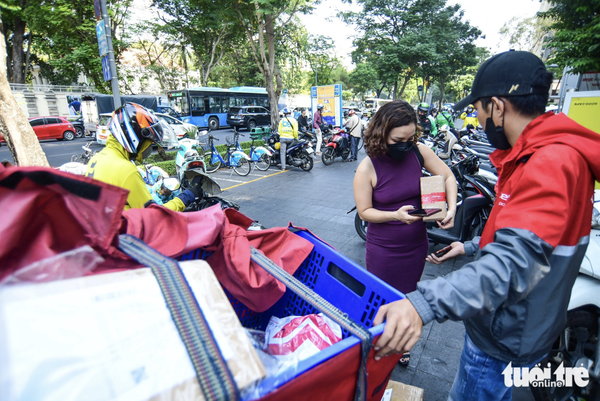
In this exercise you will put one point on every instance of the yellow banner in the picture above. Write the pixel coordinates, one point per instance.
(326, 91)
(586, 111)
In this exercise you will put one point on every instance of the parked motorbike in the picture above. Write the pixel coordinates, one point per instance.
(87, 154)
(579, 343)
(339, 146)
(298, 153)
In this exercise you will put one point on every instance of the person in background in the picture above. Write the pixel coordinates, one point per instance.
(353, 127)
(445, 118)
(513, 297)
(288, 131)
(470, 117)
(133, 129)
(75, 107)
(387, 185)
(303, 121)
(426, 122)
(317, 123)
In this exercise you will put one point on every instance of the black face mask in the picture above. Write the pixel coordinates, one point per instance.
(496, 135)
(399, 150)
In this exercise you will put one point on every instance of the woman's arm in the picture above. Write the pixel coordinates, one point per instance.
(365, 180)
(436, 166)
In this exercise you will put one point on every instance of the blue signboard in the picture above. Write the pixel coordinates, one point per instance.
(101, 34)
(106, 68)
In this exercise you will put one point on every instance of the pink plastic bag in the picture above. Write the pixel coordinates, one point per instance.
(301, 336)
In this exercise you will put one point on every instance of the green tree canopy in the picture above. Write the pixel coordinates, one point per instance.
(576, 34)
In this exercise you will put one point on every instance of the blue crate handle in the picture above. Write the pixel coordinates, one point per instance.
(214, 376)
(327, 309)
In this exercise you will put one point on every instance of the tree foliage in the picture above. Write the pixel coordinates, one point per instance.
(263, 22)
(62, 38)
(207, 26)
(403, 39)
(576, 34)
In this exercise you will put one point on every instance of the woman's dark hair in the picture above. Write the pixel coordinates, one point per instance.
(391, 115)
(528, 105)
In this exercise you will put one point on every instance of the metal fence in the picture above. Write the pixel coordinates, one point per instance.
(51, 88)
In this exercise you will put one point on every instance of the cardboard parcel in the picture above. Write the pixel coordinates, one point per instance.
(111, 337)
(433, 196)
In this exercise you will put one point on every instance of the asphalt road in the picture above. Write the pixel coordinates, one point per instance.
(60, 152)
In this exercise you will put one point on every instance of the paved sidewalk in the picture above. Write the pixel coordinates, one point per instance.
(319, 200)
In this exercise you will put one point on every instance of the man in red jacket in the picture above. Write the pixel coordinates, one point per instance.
(513, 298)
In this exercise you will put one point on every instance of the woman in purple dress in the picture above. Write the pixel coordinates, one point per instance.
(387, 186)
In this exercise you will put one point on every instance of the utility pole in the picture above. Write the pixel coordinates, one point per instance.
(114, 81)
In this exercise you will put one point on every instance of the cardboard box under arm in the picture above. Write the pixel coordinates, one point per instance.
(433, 196)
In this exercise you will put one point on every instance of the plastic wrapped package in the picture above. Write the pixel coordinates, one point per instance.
(111, 337)
(301, 336)
(71, 264)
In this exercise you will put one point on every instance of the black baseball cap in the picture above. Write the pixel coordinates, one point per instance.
(511, 73)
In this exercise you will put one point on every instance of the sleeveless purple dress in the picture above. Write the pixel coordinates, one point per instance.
(395, 251)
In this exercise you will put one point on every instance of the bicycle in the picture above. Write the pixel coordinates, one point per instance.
(259, 155)
(239, 161)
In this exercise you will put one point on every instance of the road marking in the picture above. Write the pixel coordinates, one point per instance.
(248, 182)
(227, 179)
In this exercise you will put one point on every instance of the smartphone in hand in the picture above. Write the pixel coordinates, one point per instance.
(423, 212)
(442, 251)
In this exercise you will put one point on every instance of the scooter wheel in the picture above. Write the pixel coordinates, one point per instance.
(328, 156)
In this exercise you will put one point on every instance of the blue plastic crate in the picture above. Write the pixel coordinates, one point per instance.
(338, 280)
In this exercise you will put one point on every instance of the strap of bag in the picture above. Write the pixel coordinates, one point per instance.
(327, 309)
(216, 381)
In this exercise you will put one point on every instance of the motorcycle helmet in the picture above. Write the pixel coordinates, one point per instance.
(351, 112)
(320, 106)
(286, 111)
(470, 108)
(277, 146)
(423, 107)
(132, 124)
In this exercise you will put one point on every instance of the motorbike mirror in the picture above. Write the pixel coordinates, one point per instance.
(202, 133)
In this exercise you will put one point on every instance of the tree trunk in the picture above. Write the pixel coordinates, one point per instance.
(404, 85)
(441, 92)
(272, 72)
(18, 134)
(17, 51)
(28, 56)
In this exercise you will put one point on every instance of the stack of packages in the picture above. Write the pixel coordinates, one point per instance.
(68, 332)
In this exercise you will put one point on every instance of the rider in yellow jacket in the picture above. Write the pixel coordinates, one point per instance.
(288, 131)
(133, 129)
(470, 117)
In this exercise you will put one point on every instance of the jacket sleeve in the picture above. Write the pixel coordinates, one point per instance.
(463, 116)
(529, 228)
(507, 270)
(138, 192)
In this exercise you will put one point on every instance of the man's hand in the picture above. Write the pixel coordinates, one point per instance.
(402, 329)
(458, 248)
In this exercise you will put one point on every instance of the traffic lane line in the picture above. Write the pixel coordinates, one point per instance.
(254, 180)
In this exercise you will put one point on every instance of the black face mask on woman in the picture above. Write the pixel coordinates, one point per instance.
(399, 150)
(496, 135)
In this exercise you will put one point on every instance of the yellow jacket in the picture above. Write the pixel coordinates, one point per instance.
(470, 118)
(113, 166)
(288, 128)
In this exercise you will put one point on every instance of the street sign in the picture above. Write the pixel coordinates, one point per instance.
(101, 34)
(97, 10)
(420, 88)
(106, 69)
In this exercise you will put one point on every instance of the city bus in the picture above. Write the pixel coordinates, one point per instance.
(207, 107)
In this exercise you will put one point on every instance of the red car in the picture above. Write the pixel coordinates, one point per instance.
(51, 128)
